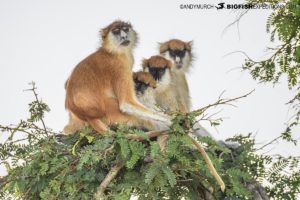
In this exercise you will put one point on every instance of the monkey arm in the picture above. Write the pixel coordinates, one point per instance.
(123, 88)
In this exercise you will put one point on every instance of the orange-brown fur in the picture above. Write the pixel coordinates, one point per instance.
(179, 78)
(145, 77)
(157, 61)
(165, 93)
(174, 44)
(100, 84)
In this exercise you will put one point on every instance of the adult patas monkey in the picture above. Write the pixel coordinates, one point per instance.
(100, 90)
(180, 53)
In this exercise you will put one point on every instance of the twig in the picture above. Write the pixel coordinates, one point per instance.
(37, 99)
(109, 177)
(236, 21)
(13, 129)
(209, 163)
(221, 102)
(269, 143)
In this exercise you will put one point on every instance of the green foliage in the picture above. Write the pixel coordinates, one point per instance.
(54, 166)
(284, 26)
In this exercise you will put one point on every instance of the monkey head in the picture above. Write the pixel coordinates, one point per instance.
(160, 69)
(118, 37)
(143, 81)
(178, 52)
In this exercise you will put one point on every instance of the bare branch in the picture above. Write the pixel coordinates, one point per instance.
(221, 102)
(109, 177)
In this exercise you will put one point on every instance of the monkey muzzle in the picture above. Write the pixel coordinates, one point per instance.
(178, 62)
(124, 38)
(125, 43)
(140, 88)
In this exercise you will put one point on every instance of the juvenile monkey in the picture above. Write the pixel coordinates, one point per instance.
(180, 54)
(100, 90)
(144, 89)
(148, 92)
(165, 93)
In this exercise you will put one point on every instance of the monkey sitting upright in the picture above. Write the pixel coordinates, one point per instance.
(165, 93)
(180, 54)
(100, 90)
(144, 89)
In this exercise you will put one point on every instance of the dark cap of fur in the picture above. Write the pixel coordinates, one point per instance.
(116, 24)
(175, 44)
(144, 77)
(156, 61)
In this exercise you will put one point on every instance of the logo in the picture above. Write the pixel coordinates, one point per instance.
(220, 6)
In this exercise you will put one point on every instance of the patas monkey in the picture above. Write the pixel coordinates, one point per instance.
(100, 90)
(180, 53)
(144, 89)
(165, 93)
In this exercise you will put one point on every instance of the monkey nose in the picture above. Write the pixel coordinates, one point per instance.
(123, 35)
(177, 59)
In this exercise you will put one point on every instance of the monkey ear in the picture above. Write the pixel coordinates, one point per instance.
(163, 47)
(152, 83)
(104, 32)
(145, 63)
(169, 64)
(189, 45)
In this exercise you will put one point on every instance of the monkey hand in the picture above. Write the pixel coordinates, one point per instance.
(166, 119)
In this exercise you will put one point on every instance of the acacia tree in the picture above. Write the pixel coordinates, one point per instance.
(284, 63)
(127, 161)
(283, 25)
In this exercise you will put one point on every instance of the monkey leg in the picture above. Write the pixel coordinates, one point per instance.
(98, 125)
(74, 124)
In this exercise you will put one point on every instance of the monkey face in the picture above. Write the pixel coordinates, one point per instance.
(123, 36)
(140, 87)
(143, 82)
(159, 68)
(157, 72)
(178, 52)
(119, 36)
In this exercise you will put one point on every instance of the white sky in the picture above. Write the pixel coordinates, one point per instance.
(42, 41)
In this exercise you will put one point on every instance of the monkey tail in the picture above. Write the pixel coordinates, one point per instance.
(209, 163)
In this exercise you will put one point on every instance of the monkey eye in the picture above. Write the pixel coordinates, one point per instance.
(172, 52)
(116, 31)
(151, 69)
(177, 52)
(181, 53)
(125, 29)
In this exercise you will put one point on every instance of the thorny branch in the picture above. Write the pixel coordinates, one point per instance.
(33, 89)
(220, 101)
